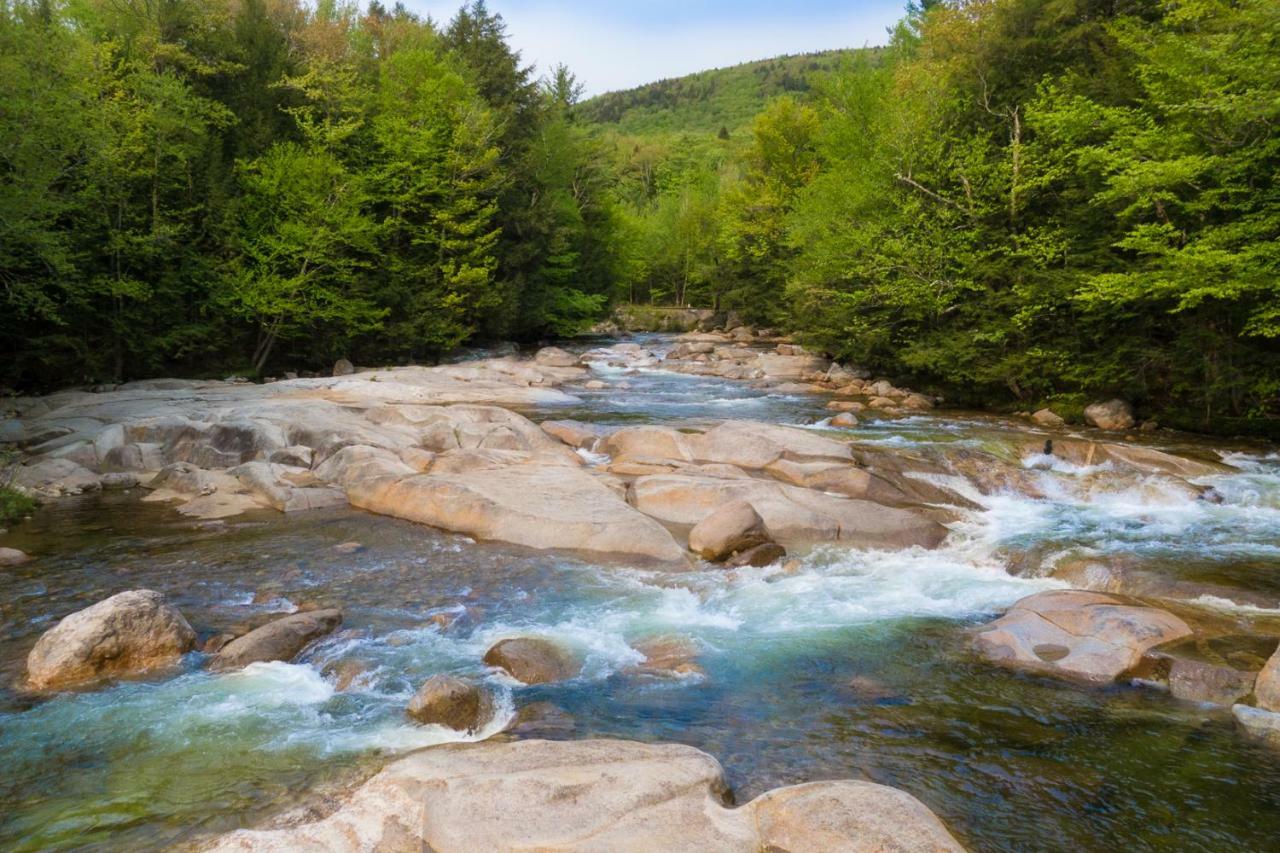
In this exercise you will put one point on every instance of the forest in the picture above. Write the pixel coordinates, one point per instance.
(1015, 202)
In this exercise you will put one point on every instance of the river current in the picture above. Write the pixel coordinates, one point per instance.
(854, 666)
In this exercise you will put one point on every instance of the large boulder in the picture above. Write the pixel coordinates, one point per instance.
(279, 640)
(572, 510)
(453, 702)
(733, 528)
(532, 660)
(128, 633)
(1083, 636)
(599, 795)
(1110, 415)
(794, 516)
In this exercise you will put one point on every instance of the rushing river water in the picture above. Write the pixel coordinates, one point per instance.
(854, 666)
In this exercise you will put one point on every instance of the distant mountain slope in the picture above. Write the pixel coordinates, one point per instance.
(709, 100)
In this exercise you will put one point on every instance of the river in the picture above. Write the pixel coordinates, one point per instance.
(856, 665)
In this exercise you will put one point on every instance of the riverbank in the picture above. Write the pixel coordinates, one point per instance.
(850, 657)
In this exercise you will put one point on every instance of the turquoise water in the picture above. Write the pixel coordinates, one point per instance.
(854, 666)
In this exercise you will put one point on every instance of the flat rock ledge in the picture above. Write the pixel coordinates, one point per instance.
(598, 795)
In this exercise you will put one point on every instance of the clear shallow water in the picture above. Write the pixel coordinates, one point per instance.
(855, 666)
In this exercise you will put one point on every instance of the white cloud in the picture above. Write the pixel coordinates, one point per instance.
(608, 54)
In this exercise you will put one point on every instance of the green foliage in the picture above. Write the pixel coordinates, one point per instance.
(199, 186)
(14, 505)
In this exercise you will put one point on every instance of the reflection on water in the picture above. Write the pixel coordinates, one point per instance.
(854, 666)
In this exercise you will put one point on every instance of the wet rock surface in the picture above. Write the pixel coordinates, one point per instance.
(279, 640)
(1080, 635)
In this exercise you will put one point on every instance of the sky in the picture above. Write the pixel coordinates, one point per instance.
(613, 45)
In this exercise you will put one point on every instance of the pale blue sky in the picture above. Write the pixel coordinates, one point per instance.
(619, 45)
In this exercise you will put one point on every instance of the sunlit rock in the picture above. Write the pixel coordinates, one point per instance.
(1079, 635)
(128, 633)
(533, 660)
(599, 795)
(730, 529)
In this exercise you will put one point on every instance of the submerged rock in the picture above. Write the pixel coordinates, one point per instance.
(599, 795)
(1084, 636)
(128, 633)
(731, 529)
(668, 655)
(281, 639)
(532, 660)
(447, 700)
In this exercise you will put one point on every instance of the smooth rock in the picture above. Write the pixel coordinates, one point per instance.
(1209, 683)
(844, 420)
(13, 557)
(555, 357)
(281, 639)
(572, 433)
(1267, 688)
(532, 660)
(1085, 636)
(128, 633)
(794, 516)
(447, 700)
(343, 367)
(1048, 418)
(573, 510)
(1110, 415)
(599, 795)
(1258, 722)
(732, 528)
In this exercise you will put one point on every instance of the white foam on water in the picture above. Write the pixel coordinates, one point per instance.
(594, 459)
(1218, 603)
(272, 684)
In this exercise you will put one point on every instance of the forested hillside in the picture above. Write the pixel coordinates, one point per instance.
(1015, 202)
(709, 101)
(247, 185)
